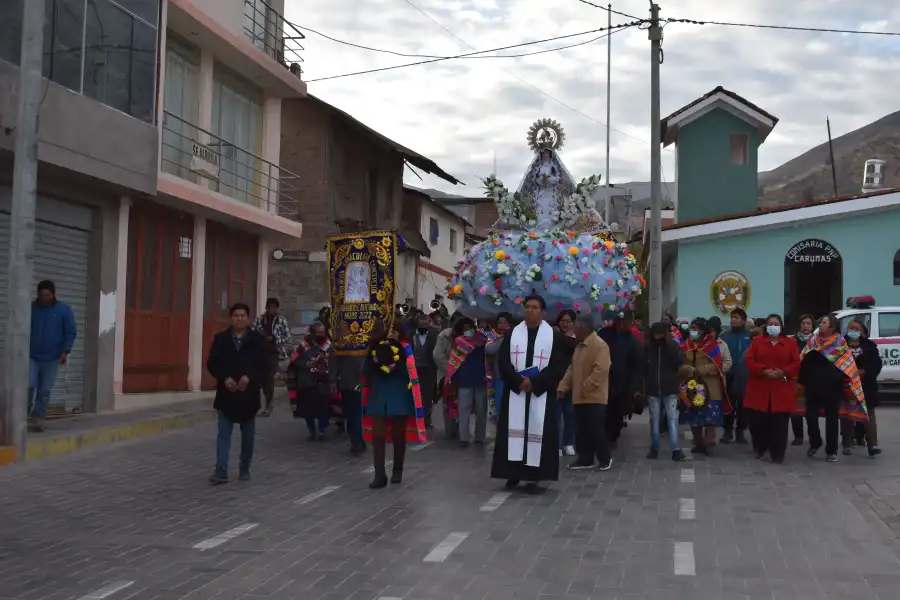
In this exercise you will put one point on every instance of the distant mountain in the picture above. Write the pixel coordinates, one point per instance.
(808, 176)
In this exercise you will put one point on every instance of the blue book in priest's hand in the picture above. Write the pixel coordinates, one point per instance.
(530, 372)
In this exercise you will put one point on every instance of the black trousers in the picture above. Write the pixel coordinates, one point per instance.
(770, 432)
(590, 433)
(615, 415)
(797, 426)
(814, 404)
(268, 383)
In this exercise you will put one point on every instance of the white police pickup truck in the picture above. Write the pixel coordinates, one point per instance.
(883, 323)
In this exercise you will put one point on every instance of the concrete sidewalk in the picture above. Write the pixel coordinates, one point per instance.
(86, 432)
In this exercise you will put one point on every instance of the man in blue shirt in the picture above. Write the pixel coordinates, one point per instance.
(53, 333)
(738, 341)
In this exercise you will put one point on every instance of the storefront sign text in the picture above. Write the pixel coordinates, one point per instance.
(812, 251)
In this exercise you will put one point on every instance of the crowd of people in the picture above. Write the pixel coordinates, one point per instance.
(554, 390)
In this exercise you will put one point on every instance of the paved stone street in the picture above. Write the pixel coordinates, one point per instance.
(139, 521)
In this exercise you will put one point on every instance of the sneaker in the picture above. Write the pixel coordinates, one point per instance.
(678, 456)
(569, 451)
(579, 466)
(653, 454)
(727, 437)
(219, 476)
(244, 475)
(812, 451)
(831, 458)
(797, 442)
(874, 451)
(847, 451)
(605, 467)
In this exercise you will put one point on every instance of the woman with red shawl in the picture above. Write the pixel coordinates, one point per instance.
(706, 360)
(392, 401)
(307, 383)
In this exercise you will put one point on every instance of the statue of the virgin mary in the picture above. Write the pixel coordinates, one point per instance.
(549, 240)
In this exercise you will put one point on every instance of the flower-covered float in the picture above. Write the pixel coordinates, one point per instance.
(549, 240)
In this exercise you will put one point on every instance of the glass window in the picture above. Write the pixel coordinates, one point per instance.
(11, 30)
(120, 60)
(740, 148)
(888, 324)
(181, 102)
(434, 231)
(63, 30)
(866, 318)
(237, 116)
(147, 10)
(452, 240)
(897, 268)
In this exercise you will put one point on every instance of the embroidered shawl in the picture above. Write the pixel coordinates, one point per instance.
(709, 345)
(316, 363)
(415, 424)
(462, 347)
(838, 353)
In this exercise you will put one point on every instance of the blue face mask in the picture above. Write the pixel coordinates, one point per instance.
(695, 335)
(469, 333)
(853, 335)
(773, 330)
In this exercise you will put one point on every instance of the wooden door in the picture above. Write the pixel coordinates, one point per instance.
(230, 277)
(158, 300)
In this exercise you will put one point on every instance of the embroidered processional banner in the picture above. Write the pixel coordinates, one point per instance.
(361, 280)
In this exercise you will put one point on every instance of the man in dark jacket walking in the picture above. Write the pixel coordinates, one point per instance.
(662, 359)
(345, 374)
(239, 363)
(53, 333)
(738, 341)
(625, 373)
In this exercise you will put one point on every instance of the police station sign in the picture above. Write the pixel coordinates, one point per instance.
(812, 251)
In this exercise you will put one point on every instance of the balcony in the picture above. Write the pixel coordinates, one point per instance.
(205, 159)
(267, 29)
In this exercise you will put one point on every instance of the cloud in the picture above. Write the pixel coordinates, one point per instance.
(461, 112)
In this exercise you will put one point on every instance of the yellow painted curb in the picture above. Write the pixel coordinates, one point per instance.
(7, 455)
(39, 449)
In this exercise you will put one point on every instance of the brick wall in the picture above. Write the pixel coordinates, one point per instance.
(349, 181)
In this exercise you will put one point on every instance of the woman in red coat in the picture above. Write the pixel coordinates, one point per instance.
(773, 363)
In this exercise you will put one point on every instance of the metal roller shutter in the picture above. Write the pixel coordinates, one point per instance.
(60, 255)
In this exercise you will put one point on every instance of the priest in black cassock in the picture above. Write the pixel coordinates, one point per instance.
(531, 363)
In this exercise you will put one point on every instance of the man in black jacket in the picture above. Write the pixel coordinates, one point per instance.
(625, 373)
(238, 361)
(662, 358)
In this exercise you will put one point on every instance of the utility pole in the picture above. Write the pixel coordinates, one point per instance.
(655, 35)
(608, 112)
(21, 234)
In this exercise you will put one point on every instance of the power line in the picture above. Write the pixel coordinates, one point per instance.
(431, 56)
(527, 83)
(470, 54)
(783, 27)
(606, 8)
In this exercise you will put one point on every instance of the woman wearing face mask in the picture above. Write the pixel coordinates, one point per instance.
(565, 324)
(470, 371)
(802, 337)
(868, 363)
(833, 387)
(773, 362)
(706, 360)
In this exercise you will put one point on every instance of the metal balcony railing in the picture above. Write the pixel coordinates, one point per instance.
(267, 29)
(197, 155)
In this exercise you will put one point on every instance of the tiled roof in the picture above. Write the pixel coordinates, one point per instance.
(413, 158)
(777, 209)
(664, 123)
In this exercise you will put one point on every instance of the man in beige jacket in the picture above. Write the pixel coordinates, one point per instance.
(587, 379)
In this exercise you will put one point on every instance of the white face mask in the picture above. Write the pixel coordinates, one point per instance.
(773, 330)
(469, 333)
(695, 335)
